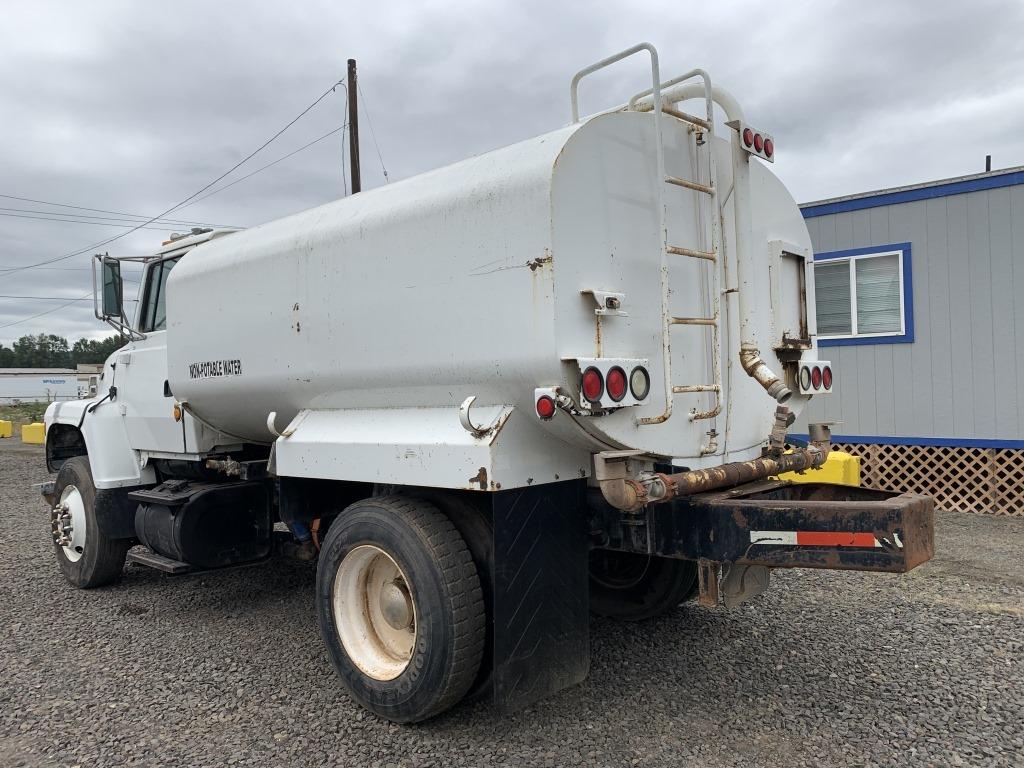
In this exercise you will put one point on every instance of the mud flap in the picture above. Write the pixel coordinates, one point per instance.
(541, 598)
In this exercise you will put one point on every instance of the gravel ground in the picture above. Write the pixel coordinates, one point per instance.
(228, 669)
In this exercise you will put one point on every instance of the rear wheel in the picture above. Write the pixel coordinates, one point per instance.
(633, 587)
(86, 557)
(400, 607)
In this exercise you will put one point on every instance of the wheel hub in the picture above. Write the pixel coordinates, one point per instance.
(67, 523)
(396, 605)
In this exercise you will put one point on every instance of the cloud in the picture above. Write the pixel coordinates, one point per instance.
(132, 107)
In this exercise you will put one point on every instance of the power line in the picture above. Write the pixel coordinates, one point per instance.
(48, 298)
(366, 108)
(182, 222)
(78, 221)
(47, 312)
(194, 195)
(268, 165)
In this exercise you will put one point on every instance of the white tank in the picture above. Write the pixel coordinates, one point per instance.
(472, 280)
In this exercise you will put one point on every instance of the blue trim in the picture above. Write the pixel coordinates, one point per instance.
(938, 442)
(910, 195)
(907, 337)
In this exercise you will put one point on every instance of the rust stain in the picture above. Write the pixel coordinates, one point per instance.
(480, 478)
(537, 263)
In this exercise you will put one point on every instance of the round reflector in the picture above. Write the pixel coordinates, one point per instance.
(640, 382)
(758, 142)
(805, 378)
(816, 377)
(545, 407)
(593, 384)
(826, 377)
(748, 137)
(615, 382)
(769, 147)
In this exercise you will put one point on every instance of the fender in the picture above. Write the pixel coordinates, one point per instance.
(113, 462)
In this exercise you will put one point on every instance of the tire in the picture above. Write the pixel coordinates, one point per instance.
(400, 607)
(87, 558)
(634, 587)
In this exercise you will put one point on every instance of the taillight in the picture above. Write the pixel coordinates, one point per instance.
(640, 382)
(754, 141)
(826, 377)
(805, 378)
(616, 383)
(593, 384)
(545, 407)
(816, 377)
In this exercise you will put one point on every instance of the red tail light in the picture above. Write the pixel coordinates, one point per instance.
(758, 142)
(769, 147)
(816, 377)
(616, 384)
(826, 377)
(545, 407)
(593, 384)
(748, 137)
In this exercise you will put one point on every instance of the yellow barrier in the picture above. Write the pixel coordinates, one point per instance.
(33, 433)
(840, 467)
(6, 428)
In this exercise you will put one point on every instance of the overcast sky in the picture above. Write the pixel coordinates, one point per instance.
(131, 107)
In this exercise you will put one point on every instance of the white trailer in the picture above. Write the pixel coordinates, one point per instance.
(551, 378)
(38, 385)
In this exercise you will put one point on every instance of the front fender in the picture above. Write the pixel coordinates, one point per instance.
(101, 432)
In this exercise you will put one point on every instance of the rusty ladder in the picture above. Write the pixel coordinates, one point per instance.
(704, 128)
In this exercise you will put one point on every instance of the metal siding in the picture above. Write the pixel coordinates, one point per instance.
(962, 377)
(912, 384)
(939, 319)
(979, 263)
(960, 338)
(1017, 252)
(1004, 339)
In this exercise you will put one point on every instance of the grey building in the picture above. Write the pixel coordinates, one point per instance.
(920, 308)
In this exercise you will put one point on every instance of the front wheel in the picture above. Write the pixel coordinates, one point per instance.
(634, 587)
(400, 607)
(86, 557)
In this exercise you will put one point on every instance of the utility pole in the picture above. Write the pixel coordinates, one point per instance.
(353, 125)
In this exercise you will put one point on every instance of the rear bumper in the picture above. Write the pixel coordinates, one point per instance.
(778, 524)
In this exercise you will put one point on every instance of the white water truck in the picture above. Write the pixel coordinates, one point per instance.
(552, 379)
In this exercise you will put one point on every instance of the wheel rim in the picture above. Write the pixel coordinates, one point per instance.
(618, 570)
(69, 526)
(374, 612)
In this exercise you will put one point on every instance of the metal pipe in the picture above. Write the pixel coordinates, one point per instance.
(672, 93)
(740, 472)
(761, 373)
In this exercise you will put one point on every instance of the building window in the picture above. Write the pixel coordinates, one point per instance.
(863, 296)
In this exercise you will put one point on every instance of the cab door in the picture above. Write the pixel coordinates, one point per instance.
(145, 400)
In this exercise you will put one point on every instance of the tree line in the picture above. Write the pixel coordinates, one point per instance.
(47, 350)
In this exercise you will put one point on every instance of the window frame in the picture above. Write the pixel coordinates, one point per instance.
(141, 312)
(906, 333)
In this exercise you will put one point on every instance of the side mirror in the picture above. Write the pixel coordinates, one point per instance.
(113, 306)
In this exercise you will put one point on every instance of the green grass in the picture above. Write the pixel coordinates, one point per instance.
(23, 413)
